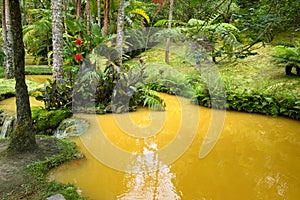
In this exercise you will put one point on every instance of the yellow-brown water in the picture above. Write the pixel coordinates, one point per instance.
(256, 157)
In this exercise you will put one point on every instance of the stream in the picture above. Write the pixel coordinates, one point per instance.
(155, 155)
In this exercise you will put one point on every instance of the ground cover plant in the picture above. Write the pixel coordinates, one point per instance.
(254, 84)
(29, 174)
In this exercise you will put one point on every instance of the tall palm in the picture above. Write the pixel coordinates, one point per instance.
(57, 39)
(106, 17)
(167, 57)
(120, 32)
(7, 40)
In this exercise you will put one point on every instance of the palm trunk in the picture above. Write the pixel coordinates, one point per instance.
(106, 17)
(120, 32)
(57, 39)
(78, 8)
(9, 55)
(99, 12)
(23, 138)
(167, 56)
(88, 22)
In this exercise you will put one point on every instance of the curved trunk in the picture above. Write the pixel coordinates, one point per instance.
(23, 138)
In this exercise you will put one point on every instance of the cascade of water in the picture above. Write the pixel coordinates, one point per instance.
(7, 127)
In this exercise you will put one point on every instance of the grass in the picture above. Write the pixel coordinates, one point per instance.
(38, 187)
(7, 87)
(254, 83)
(32, 70)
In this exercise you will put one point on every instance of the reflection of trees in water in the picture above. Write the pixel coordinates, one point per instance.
(144, 181)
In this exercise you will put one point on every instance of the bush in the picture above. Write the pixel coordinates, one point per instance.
(288, 57)
(46, 121)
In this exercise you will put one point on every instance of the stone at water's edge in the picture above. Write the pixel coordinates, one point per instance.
(7, 126)
(71, 127)
(56, 197)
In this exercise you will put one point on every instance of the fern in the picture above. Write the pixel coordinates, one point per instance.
(286, 55)
(142, 13)
(151, 99)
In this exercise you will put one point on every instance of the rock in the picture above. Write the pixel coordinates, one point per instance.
(71, 127)
(56, 197)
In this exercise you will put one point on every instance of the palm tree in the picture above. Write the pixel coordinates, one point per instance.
(120, 32)
(88, 22)
(57, 39)
(78, 8)
(167, 59)
(106, 17)
(23, 137)
(7, 40)
(99, 12)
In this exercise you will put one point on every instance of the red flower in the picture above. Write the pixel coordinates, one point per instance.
(78, 41)
(78, 56)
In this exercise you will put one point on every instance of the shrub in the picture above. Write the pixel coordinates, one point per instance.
(287, 57)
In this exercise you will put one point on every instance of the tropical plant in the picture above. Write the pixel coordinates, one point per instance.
(37, 35)
(288, 57)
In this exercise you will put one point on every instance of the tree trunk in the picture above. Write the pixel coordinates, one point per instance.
(120, 32)
(78, 8)
(88, 22)
(99, 12)
(57, 39)
(66, 5)
(167, 56)
(24, 22)
(23, 138)
(106, 17)
(8, 39)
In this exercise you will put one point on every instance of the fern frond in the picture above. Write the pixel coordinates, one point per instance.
(142, 13)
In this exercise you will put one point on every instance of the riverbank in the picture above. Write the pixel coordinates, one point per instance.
(22, 176)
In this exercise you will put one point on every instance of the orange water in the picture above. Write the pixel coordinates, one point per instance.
(148, 155)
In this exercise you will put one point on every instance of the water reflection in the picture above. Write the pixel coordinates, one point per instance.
(144, 182)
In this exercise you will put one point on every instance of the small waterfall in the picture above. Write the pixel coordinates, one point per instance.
(71, 127)
(7, 127)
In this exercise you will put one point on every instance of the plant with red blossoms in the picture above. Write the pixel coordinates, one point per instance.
(78, 57)
(78, 42)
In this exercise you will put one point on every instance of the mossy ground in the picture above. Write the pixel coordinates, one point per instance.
(23, 175)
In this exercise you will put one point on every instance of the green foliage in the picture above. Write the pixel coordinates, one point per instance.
(150, 98)
(288, 57)
(252, 101)
(46, 121)
(37, 35)
(57, 95)
(39, 170)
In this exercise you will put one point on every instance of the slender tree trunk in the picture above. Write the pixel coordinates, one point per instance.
(23, 138)
(66, 5)
(120, 32)
(9, 60)
(57, 39)
(24, 21)
(167, 56)
(106, 17)
(99, 12)
(88, 22)
(78, 8)
(4, 35)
